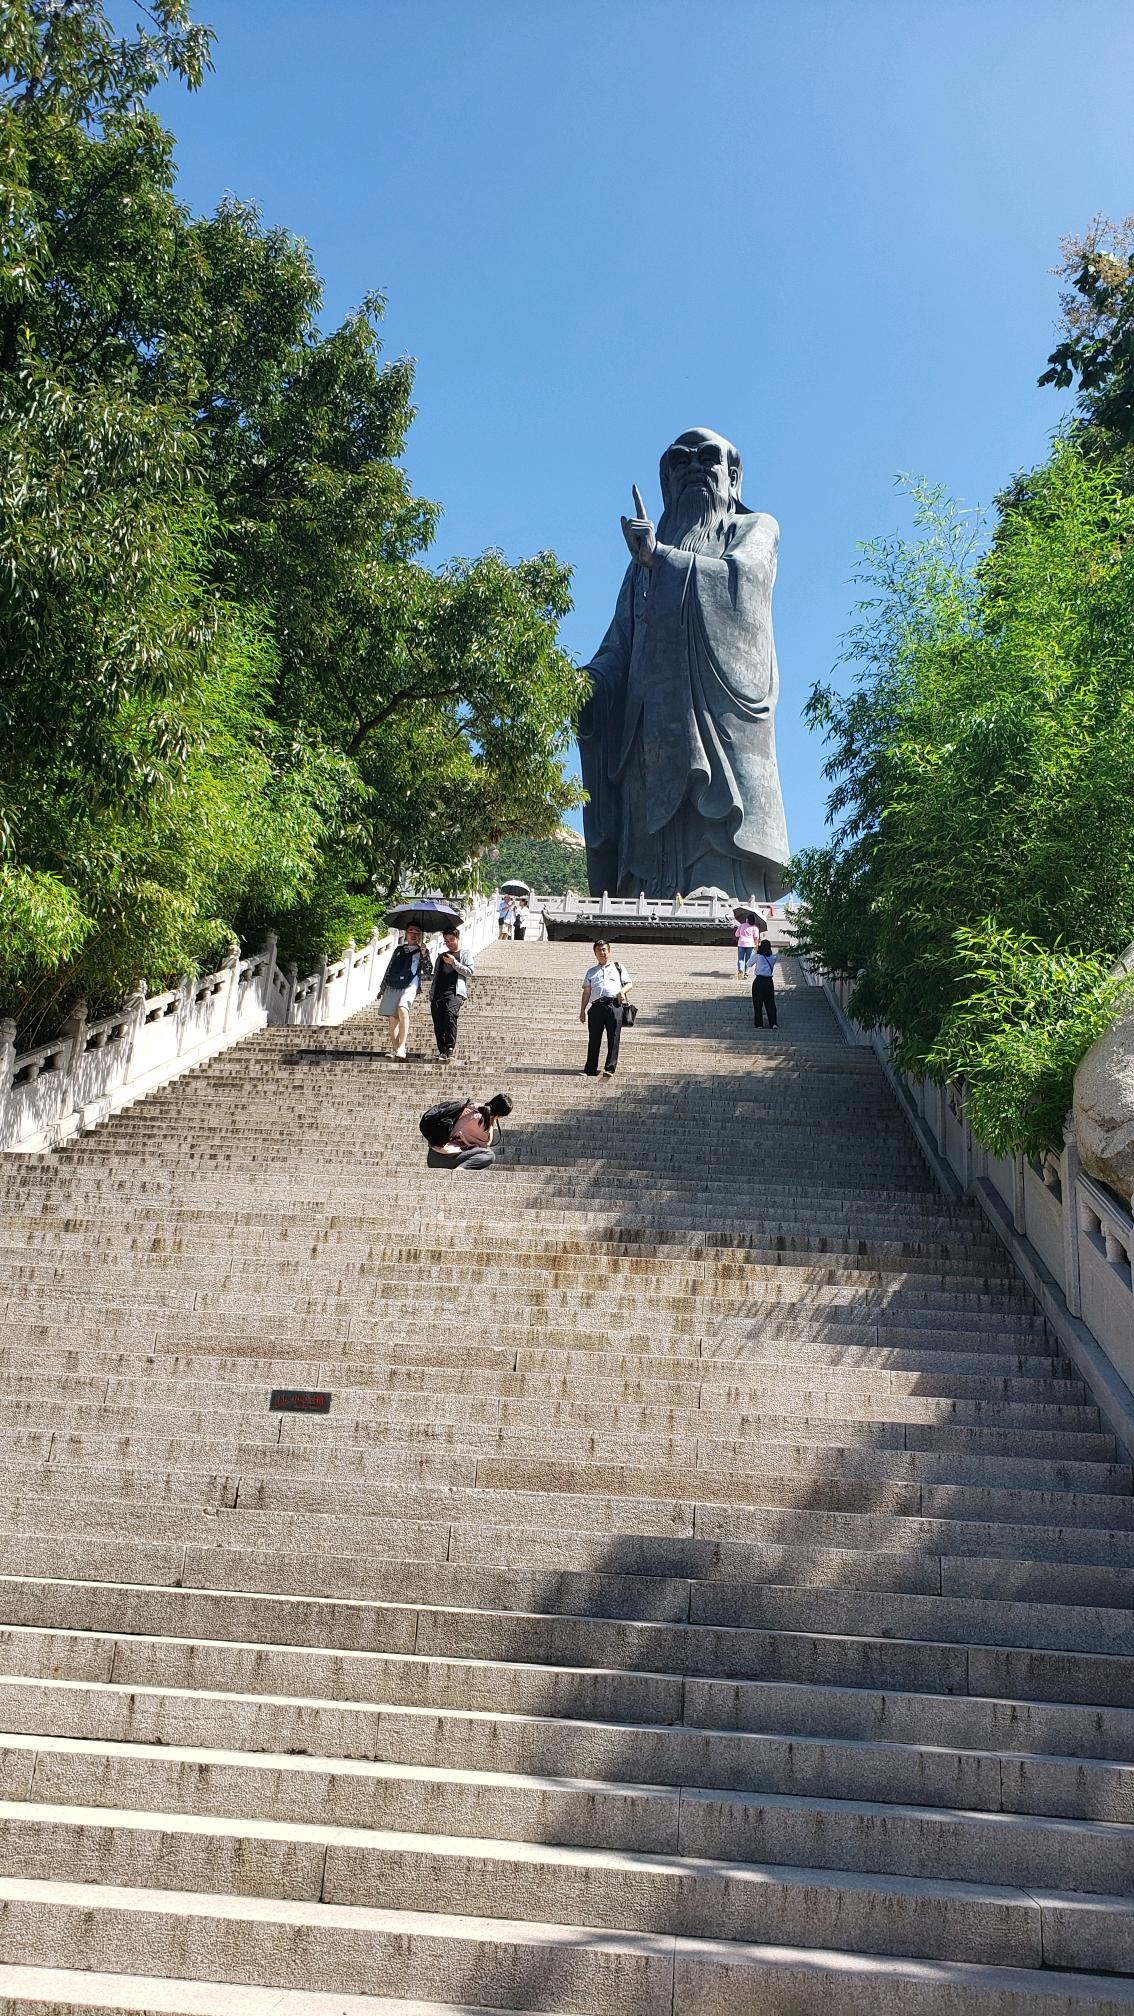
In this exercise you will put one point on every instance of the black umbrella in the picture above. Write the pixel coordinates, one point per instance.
(515, 889)
(431, 913)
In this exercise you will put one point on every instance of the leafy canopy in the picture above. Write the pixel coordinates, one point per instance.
(982, 767)
(233, 695)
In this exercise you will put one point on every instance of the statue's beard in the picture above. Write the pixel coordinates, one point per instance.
(697, 518)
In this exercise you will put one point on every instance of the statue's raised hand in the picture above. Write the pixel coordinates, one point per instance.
(639, 533)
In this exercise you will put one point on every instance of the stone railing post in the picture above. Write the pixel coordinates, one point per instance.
(268, 970)
(232, 968)
(292, 971)
(1019, 1196)
(184, 1009)
(134, 1007)
(967, 1143)
(1069, 1183)
(348, 971)
(7, 1066)
(321, 970)
(76, 1028)
(375, 940)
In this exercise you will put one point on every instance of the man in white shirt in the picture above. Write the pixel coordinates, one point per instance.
(606, 986)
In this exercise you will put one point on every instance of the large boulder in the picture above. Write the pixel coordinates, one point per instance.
(1103, 1106)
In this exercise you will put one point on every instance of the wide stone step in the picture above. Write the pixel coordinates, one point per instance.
(51, 1991)
(1048, 1751)
(686, 1895)
(595, 1667)
(500, 1568)
(883, 1834)
(648, 1975)
(801, 1370)
(210, 1548)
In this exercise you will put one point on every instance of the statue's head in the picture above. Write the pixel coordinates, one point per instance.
(700, 483)
(700, 460)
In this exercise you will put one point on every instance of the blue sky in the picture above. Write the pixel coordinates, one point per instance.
(823, 227)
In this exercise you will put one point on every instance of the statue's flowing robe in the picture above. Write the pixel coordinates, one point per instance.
(677, 739)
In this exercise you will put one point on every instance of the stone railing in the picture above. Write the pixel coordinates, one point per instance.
(1071, 1238)
(706, 909)
(92, 1069)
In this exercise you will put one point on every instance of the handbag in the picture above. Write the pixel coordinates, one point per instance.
(629, 1011)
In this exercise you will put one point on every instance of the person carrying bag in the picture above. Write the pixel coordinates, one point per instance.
(605, 1009)
(764, 986)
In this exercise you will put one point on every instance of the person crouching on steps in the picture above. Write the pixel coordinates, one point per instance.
(605, 987)
(409, 965)
(469, 1145)
(764, 986)
(451, 976)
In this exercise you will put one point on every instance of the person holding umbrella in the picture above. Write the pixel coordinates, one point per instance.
(410, 962)
(517, 894)
(747, 939)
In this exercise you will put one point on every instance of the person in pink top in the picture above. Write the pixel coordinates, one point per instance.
(747, 935)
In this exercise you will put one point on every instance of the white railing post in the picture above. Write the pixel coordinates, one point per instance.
(1069, 1221)
(966, 1139)
(76, 1028)
(232, 968)
(1019, 1196)
(372, 971)
(321, 970)
(292, 971)
(348, 971)
(268, 970)
(7, 1067)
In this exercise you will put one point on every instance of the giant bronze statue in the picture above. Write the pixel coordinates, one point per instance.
(677, 737)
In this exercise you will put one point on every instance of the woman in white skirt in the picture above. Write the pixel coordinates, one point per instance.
(409, 965)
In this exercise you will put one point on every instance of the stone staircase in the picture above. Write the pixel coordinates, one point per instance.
(710, 1590)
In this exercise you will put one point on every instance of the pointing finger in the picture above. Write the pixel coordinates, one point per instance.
(639, 507)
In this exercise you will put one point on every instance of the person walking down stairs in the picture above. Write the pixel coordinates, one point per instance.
(409, 965)
(449, 992)
(764, 985)
(606, 986)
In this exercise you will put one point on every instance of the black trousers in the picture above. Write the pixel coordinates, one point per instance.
(604, 1015)
(764, 997)
(445, 1008)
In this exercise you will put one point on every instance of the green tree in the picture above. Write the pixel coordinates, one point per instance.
(234, 693)
(982, 768)
(1096, 354)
